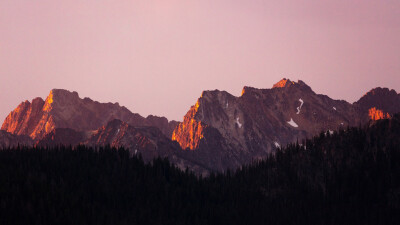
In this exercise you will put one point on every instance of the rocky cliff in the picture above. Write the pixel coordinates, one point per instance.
(378, 103)
(245, 128)
(64, 109)
(220, 131)
(149, 142)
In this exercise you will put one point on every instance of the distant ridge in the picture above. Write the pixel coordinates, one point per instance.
(258, 122)
(64, 109)
(220, 131)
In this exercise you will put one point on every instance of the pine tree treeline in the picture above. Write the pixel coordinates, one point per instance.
(349, 177)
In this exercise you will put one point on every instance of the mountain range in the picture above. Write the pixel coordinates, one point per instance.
(220, 131)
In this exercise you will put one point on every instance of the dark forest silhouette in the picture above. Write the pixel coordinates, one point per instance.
(349, 177)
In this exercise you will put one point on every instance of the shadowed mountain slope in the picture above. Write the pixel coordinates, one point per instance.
(246, 128)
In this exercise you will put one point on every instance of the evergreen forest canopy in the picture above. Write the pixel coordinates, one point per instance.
(349, 177)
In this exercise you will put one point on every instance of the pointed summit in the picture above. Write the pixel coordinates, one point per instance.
(60, 96)
(379, 103)
(378, 91)
(65, 109)
(63, 92)
(283, 83)
(247, 89)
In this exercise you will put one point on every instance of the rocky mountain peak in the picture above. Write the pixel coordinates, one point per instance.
(248, 90)
(64, 93)
(223, 131)
(379, 91)
(60, 97)
(37, 101)
(256, 123)
(286, 83)
(283, 83)
(379, 103)
(375, 96)
(65, 109)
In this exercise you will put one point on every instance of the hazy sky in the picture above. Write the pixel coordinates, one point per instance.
(156, 57)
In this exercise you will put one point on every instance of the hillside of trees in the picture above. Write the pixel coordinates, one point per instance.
(349, 177)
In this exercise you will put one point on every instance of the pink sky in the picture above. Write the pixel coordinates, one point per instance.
(156, 57)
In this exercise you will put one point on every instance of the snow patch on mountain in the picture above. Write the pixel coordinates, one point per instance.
(330, 132)
(301, 105)
(238, 123)
(292, 123)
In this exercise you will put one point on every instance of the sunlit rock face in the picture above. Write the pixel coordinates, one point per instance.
(149, 142)
(379, 103)
(25, 118)
(283, 83)
(377, 114)
(238, 130)
(220, 131)
(194, 129)
(64, 109)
